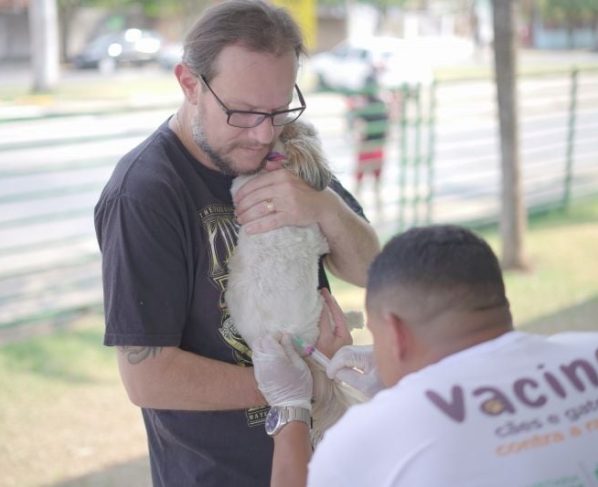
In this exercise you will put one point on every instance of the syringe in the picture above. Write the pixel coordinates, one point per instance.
(345, 377)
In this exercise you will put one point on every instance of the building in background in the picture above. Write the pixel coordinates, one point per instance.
(14, 30)
(543, 24)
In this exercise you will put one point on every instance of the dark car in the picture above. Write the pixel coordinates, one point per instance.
(129, 47)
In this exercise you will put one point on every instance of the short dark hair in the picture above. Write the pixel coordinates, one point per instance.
(440, 258)
(255, 24)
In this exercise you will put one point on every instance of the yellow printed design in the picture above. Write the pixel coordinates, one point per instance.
(219, 225)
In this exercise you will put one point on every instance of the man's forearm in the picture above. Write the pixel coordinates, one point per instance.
(170, 378)
(353, 242)
(292, 452)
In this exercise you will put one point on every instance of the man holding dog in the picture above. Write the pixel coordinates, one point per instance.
(166, 226)
(468, 400)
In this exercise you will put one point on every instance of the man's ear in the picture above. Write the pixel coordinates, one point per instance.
(188, 81)
(399, 335)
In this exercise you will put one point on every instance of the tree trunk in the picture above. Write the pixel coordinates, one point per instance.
(513, 219)
(43, 28)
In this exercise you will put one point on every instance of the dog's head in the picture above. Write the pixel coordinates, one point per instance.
(305, 158)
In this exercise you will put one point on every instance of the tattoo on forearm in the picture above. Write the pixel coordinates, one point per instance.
(136, 355)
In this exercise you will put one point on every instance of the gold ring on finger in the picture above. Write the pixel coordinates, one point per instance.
(269, 206)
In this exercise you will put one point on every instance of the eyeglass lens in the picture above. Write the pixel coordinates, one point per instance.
(249, 120)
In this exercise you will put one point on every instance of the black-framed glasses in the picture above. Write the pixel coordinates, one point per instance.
(246, 119)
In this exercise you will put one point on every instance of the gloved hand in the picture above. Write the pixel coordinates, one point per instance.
(342, 367)
(282, 375)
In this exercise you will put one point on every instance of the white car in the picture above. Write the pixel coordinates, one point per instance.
(347, 66)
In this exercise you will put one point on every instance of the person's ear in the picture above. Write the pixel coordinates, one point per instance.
(400, 336)
(188, 81)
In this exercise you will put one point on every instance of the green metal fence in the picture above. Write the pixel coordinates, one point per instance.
(559, 148)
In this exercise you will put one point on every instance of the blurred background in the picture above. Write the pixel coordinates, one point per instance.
(490, 121)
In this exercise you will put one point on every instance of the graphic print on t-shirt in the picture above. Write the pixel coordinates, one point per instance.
(219, 225)
(222, 231)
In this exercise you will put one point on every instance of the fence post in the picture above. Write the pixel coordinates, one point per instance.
(404, 155)
(431, 153)
(570, 139)
(417, 158)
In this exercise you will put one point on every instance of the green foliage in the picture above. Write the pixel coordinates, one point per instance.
(379, 4)
(384, 5)
(568, 10)
(151, 8)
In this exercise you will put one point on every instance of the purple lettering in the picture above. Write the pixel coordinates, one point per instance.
(579, 373)
(519, 389)
(454, 408)
(570, 372)
(553, 382)
(496, 404)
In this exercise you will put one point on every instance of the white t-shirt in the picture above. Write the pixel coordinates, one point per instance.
(517, 411)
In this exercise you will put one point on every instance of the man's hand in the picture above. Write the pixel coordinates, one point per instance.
(282, 375)
(278, 198)
(334, 333)
(365, 378)
(275, 199)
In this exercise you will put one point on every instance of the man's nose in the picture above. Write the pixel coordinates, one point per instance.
(265, 132)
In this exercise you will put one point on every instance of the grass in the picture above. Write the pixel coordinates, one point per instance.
(560, 291)
(65, 419)
(64, 414)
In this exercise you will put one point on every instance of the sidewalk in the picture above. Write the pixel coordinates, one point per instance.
(83, 91)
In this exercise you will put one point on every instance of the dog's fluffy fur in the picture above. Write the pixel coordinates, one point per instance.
(273, 276)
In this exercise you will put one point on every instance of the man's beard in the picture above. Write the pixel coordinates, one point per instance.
(224, 164)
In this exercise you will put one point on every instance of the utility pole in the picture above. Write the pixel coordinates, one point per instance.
(513, 219)
(45, 53)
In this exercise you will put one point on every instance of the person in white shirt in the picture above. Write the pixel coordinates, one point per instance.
(467, 401)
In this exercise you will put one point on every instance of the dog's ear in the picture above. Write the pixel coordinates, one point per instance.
(305, 157)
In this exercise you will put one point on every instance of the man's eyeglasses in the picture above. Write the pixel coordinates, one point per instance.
(246, 119)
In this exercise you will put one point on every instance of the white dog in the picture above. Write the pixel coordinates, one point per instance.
(273, 276)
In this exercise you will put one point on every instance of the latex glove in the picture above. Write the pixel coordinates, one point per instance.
(282, 375)
(342, 367)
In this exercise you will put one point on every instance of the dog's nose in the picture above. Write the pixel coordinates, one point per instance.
(276, 156)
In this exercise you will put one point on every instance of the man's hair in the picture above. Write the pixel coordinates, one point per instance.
(254, 24)
(440, 260)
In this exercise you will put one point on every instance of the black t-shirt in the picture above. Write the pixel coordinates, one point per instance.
(166, 229)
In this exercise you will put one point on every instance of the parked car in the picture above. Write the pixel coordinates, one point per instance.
(348, 66)
(108, 51)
